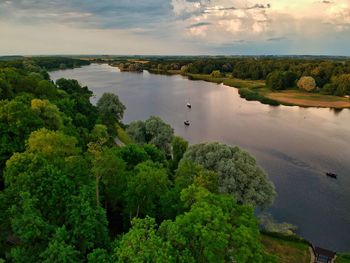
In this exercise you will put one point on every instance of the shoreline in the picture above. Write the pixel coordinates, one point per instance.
(255, 90)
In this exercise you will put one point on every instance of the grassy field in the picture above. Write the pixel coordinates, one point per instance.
(288, 251)
(343, 258)
(256, 90)
(300, 98)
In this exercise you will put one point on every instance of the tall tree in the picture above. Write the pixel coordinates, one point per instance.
(110, 109)
(238, 172)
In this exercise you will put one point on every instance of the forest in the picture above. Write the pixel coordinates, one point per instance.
(68, 193)
(324, 75)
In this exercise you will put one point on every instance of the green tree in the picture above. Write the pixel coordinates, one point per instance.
(133, 154)
(216, 74)
(143, 244)
(99, 255)
(190, 173)
(99, 133)
(289, 79)
(275, 81)
(238, 172)
(215, 229)
(179, 147)
(17, 121)
(59, 250)
(159, 133)
(154, 131)
(342, 84)
(110, 109)
(144, 190)
(137, 131)
(49, 113)
(155, 155)
(110, 170)
(52, 143)
(87, 222)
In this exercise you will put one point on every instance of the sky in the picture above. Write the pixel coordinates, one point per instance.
(175, 27)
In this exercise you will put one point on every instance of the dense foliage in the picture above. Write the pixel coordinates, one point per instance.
(69, 194)
(280, 72)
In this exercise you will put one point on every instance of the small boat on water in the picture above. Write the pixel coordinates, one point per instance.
(189, 105)
(332, 175)
(187, 122)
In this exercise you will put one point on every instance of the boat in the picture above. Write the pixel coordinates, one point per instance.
(332, 175)
(187, 123)
(189, 105)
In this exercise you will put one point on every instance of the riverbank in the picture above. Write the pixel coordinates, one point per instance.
(256, 90)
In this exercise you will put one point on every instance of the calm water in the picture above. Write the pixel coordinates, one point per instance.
(296, 146)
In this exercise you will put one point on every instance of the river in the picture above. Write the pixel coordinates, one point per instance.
(295, 145)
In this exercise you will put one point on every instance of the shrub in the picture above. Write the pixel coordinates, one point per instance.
(307, 83)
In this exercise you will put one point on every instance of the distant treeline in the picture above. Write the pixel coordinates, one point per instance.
(37, 64)
(327, 75)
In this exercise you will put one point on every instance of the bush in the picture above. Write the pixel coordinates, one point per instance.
(275, 81)
(216, 74)
(253, 95)
(307, 83)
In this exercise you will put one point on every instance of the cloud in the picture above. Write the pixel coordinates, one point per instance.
(87, 13)
(199, 25)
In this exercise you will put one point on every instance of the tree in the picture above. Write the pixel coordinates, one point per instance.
(110, 109)
(179, 147)
(6, 91)
(99, 255)
(154, 131)
(87, 222)
(189, 173)
(109, 169)
(159, 133)
(342, 84)
(216, 74)
(137, 131)
(307, 83)
(46, 89)
(155, 154)
(143, 244)
(52, 143)
(238, 172)
(58, 250)
(99, 133)
(289, 78)
(133, 154)
(144, 190)
(275, 81)
(215, 229)
(49, 113)
(17, 121)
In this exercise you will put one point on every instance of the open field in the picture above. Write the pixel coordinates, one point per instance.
(256, 90)
(299, 98)
(288, 251)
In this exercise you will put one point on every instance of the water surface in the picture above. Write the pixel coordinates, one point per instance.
(295, 145)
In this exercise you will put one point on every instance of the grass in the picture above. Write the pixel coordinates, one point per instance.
(123, 136)
(256, 90)
(302, 98)
(343, 258)
(287, 251)
(248, 89)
